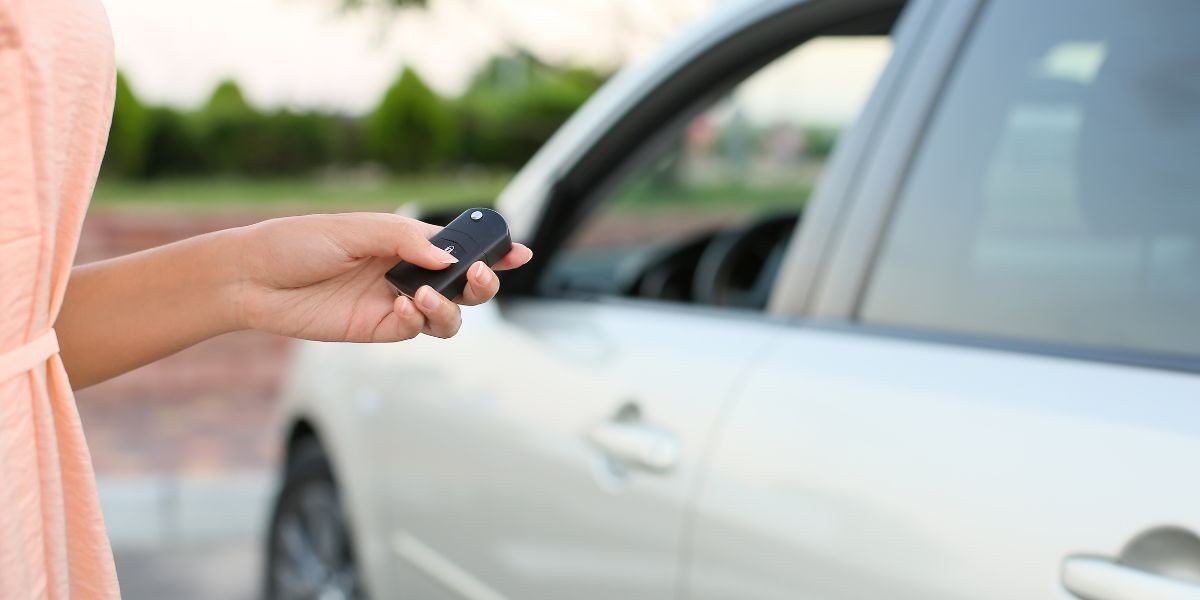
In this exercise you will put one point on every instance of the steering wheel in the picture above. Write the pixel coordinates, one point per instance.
(738, 267)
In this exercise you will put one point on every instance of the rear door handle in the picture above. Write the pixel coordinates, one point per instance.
(636, 444)
(1094, 578)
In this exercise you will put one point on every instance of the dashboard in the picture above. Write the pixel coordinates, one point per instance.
(732, 266)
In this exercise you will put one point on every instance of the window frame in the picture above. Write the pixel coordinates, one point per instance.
(886, 211)
(662, 111)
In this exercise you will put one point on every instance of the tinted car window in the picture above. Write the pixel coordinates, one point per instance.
(749, 160)
(1057, 194)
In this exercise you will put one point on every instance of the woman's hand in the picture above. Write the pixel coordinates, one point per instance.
(320, 277)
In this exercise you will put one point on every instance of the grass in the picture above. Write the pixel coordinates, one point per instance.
(294, 196)
(310, 195)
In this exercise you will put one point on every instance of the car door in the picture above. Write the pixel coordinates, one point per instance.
(555, 459)
(999, 399)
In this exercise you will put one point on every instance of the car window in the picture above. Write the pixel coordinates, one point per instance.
(1057, 195)
(669, 229)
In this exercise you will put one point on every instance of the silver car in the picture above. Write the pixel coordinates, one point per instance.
(956, 356)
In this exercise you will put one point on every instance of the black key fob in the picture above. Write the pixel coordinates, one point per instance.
(479, 234)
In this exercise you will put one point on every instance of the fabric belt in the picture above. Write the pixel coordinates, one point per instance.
(24, 358)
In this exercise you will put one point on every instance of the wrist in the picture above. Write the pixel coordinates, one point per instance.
(224, 263)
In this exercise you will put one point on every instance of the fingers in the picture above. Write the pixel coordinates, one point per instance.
(408, 320)
(442, 317)
(519, 255)
(432, 313)
(378, 234)
(482, 285)
(362, 235)
(429, 313)
(387, 235)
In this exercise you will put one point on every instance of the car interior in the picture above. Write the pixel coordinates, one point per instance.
(722, 265)
(704, 213)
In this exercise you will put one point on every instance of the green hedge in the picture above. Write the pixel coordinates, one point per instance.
(510, 109)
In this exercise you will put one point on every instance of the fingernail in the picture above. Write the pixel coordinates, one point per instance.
(406, 306)
(428, 298)
(443, 256)
(483, 274)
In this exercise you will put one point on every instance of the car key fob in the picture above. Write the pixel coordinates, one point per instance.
(479, 234)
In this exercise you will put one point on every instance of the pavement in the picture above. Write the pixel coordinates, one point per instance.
(226, 571)
(188, 537)
(185, 464)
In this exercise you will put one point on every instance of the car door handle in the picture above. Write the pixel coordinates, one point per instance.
(1094, 578)
(636, 444)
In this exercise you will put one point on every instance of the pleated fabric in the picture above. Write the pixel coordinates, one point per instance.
(56, 94)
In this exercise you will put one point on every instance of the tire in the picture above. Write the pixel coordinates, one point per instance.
(310, 552)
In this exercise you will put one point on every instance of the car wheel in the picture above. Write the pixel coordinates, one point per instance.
(309, 550)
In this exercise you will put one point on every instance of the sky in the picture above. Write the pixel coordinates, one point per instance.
(309, 54)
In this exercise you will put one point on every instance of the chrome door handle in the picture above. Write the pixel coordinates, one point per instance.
(637, 444)
(1094, 578)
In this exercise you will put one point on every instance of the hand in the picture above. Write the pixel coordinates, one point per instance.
(320, 277)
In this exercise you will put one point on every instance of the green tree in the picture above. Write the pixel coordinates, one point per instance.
(174, 146)
(129, 136)
(227, 127)
(413, 128)
(227, 102)
(292, 143)
(820, 141)
(515, 104)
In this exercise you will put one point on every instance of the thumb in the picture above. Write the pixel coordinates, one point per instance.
(387, 235)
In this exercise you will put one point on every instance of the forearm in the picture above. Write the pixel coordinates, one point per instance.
(122, 313)
(319, 277)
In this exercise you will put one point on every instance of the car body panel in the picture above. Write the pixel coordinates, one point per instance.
(859, 466)
(324, 396)
(494, 469)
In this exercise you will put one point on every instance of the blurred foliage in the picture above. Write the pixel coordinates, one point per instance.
(228, 127)
(413, 129)
(237, 139)
(511, 107)
(820, 140)
(173, 146)
(132, 127)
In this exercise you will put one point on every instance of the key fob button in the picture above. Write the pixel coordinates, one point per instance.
(455, 247)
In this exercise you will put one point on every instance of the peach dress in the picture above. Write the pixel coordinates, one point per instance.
(56, 95)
